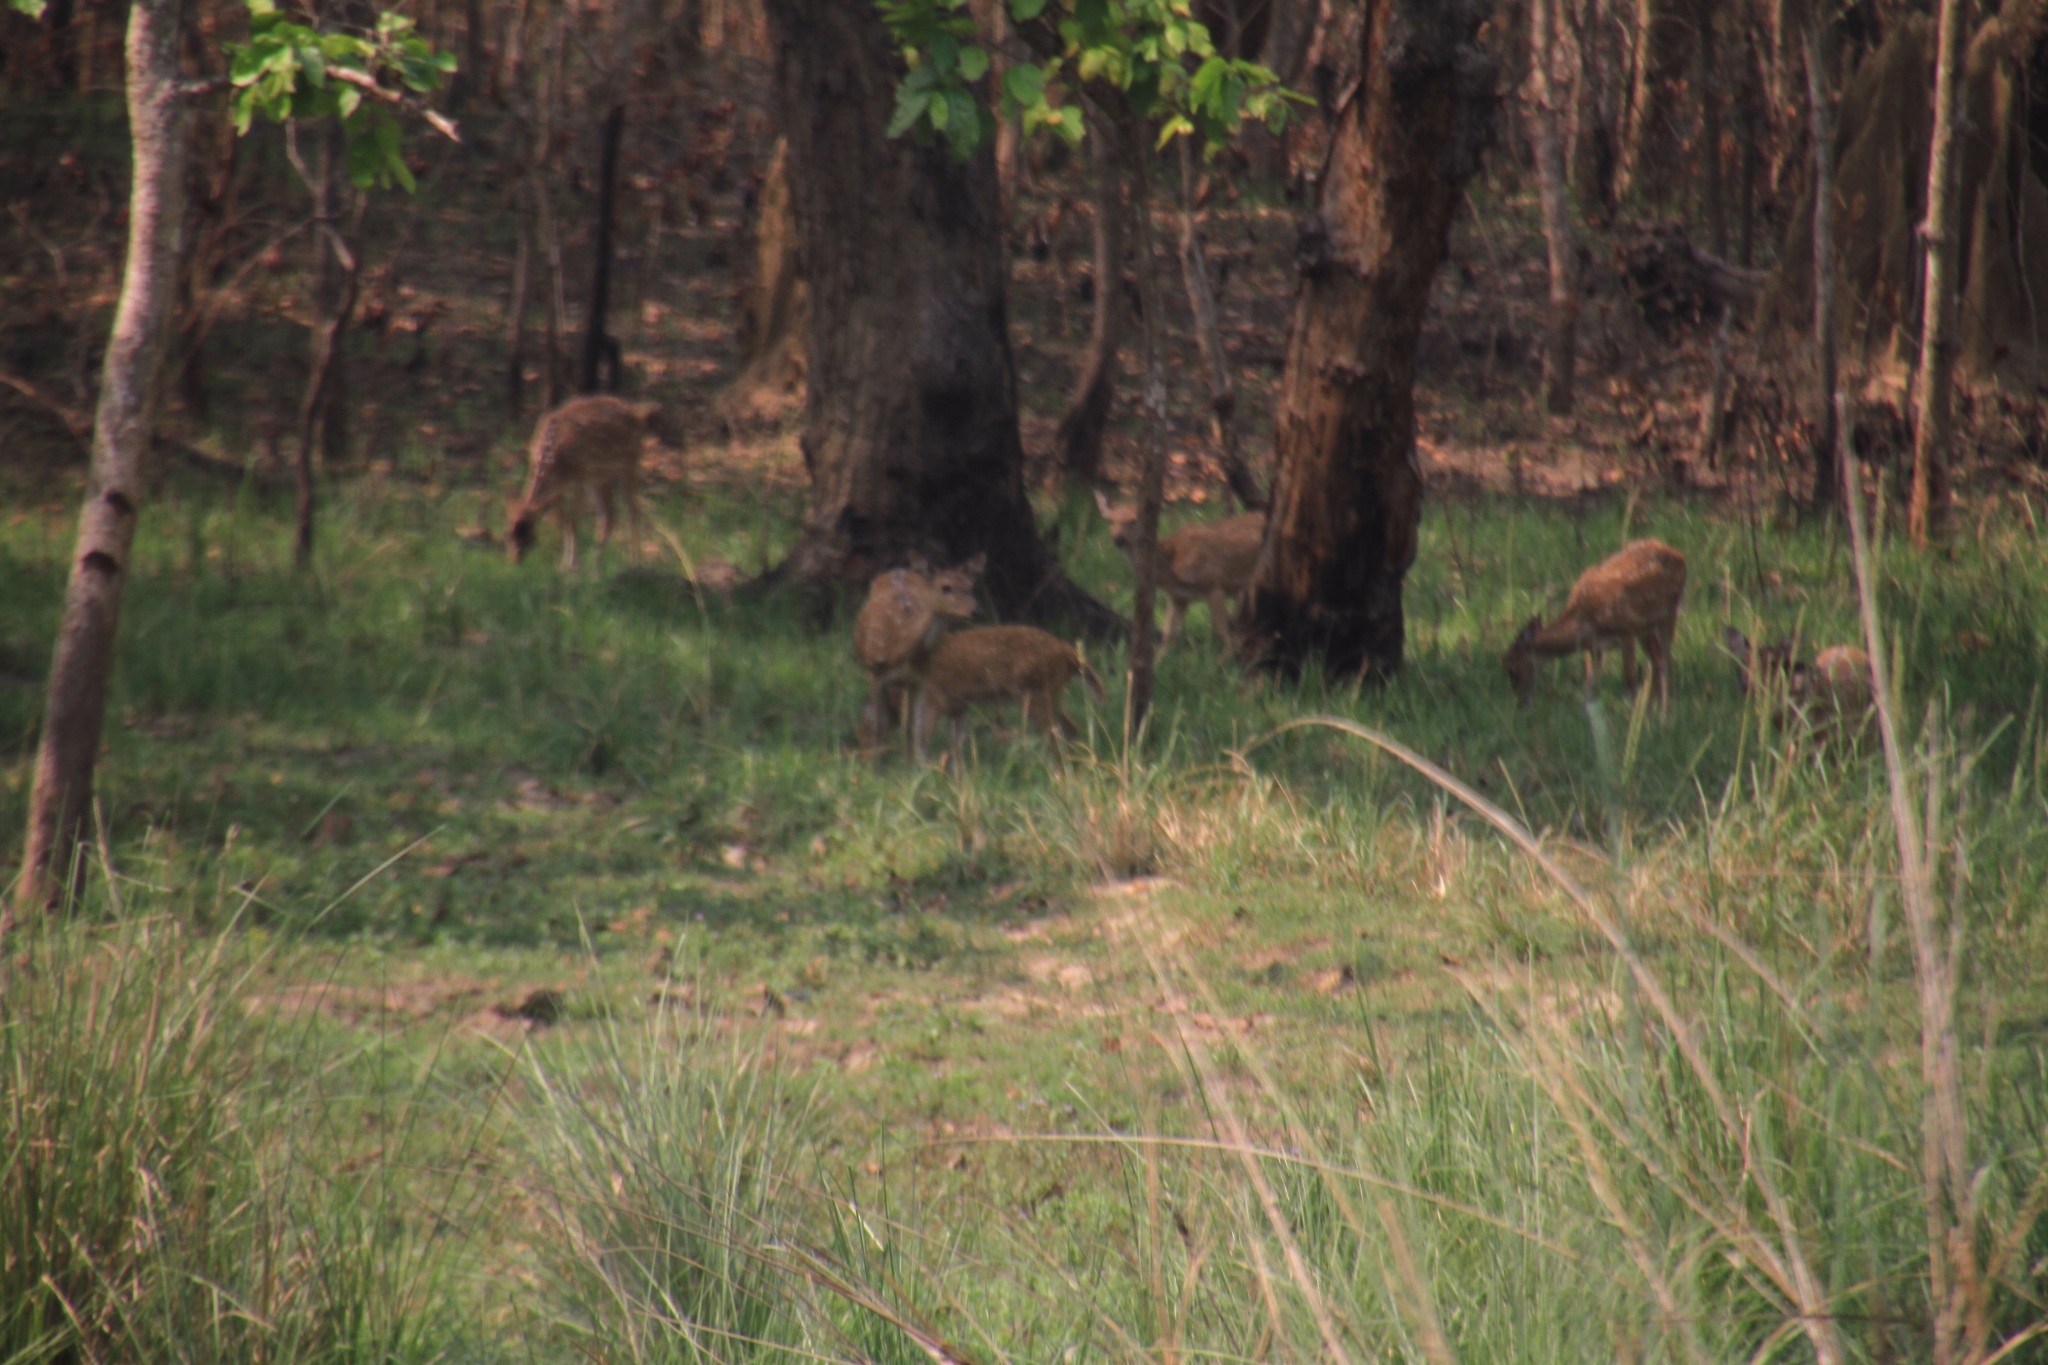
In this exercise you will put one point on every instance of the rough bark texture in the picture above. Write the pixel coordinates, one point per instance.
(79, 671)
(1713, 193)
(1194, 271)
(1561, 337)
(910, 426)
(1929, 504)
(1649, 148)
(1077, 441)
(1348, 496)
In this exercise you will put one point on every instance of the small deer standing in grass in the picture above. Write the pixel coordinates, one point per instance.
(1836, 686)
(993, 664)
(1632, 596)
(907, 613)
(1210, 562)
(588, 446)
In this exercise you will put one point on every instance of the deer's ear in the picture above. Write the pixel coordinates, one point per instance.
(920, 566)
(1737, 644)
(976, 564)
(1102, 504)
(1529, 629)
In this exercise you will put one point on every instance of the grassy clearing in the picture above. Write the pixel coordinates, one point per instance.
(842, 1055)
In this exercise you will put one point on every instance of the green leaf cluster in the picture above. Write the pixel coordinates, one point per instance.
(1152, 58)
(288, 70)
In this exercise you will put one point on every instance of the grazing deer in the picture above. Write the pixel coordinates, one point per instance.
(996, 664)
(907, 612)
(1836, 685)
(1631, 596)
(589, 445)
(1212, 561)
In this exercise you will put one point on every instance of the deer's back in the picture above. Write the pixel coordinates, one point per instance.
(1216, 555)
(592, 439)
(992, 663)
(1637, 588)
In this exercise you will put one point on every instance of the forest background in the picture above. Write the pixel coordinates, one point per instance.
(442, 959)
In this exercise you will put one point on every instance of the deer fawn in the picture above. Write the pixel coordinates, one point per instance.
(590, 445)
(1632, 595)
(996, 664)
(907, 612)
(1212, 562)
(1837, 685)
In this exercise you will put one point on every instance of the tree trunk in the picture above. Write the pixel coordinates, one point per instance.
(1929, 505)
(910, 424)
(775, 309)
(600, 348)
(323, 410)
(1706, 82)
(1194, 270)
(1077, 442)
(1826, 469)
(1649, 150)
(1561, 339)
(515, 308)
(75, 709)
(1136, 149)
(1348, 497)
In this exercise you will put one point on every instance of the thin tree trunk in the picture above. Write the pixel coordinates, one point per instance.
(1077, 441)
(1706, 82)
(1152, 451)
(1826, 471)
(75, 710)
(515, 309)
(1561, 339)
(1750, 128)
(1347, 499)
(1714, 409)
(558, 304)
(600, 348)
(1194, 270)
(1648, 150)
(1929, 507)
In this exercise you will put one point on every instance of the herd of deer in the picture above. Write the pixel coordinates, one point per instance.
(921, 669)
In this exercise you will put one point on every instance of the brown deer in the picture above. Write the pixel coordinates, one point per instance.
(1211, 562)
(996, 664)
(907, 612)
(1837, 685)
(589, 445)
(1631, 596)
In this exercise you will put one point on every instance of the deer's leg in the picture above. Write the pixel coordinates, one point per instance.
(1629, 673)
(1176, 607)
(1219, 616)
(1657, 644)
(565, 512)
(923, 715)
(601, 494)
(1592, 670)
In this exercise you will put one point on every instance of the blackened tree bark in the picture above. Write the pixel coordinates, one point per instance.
(75, 711)
(600, 368)
(1077, 441)
(910, 423)
(1348, 497)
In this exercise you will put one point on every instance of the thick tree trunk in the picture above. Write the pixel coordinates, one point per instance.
(1077, 441)
(1826, 468)
(1194, 271)
(1561, 339)
(1348, 497)
(775, 309)
(1136, 147)
(600, 368)
(75, 710)
(1929, 505)
(910, 424)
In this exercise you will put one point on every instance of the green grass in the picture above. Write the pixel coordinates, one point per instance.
(417, 784)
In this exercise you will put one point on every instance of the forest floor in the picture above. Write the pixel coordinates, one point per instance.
(498, 836)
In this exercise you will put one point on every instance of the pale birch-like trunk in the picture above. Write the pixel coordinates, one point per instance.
(1561, 339)
(75, 711)
(1929, 505)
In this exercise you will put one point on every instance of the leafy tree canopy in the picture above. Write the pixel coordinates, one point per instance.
(287, 70)
(1150, 58)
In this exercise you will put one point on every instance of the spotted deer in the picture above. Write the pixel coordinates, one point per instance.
(906, 614)
(588, 446)
(1632, 596)
(993, 664)
(1835, 686)
(1210, 562)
